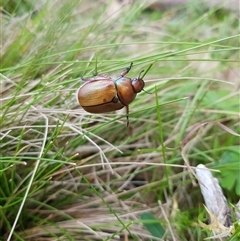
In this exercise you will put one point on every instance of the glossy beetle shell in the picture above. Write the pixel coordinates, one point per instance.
(102, 94)
(99, 96)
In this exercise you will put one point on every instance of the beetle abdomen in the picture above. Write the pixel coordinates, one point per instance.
(99, 96)
(104, 108)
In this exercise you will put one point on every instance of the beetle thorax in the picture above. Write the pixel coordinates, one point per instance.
(125, 90)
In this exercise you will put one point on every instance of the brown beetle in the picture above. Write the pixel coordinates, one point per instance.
(102, 93)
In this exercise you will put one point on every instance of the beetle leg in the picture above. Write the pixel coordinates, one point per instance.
(115, 99)
(94, 74)
(84, 79)
(92, 79)
(127, 112)
(125, 71)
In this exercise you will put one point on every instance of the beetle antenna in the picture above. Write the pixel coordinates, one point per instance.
(139, 76)
(145, 72)
(147, 92)
(142, 78)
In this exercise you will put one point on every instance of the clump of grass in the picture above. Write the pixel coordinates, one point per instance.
(71, 175)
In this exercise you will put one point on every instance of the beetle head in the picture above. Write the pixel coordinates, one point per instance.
(138, 83)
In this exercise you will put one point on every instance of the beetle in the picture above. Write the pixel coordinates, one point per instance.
(102, 93)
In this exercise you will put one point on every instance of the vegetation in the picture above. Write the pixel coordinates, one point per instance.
(67, 174)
